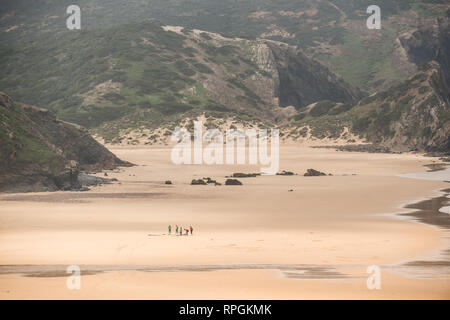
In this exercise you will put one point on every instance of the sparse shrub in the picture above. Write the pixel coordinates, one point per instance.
(341, 108)
(114, 97)
(144, 104)
(216, 107)
(424, 66)
(424, 89)
(184, 68)
(205, 36)
(300, 116)
(303, 132)
(321, 108)
(202, 68)
(427, 132)
(361, 124)
(368, 100)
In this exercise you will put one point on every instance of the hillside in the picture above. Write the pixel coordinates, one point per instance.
(412, 116)
(430, 42)
(333, 32)
(304, 66)
(41, 153)
(151, 75)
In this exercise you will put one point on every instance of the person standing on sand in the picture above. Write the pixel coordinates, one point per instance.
(170, 229)
(176, 230)
(192, 230)
(181, 231)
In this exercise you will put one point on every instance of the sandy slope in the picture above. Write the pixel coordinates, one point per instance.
(333, 220)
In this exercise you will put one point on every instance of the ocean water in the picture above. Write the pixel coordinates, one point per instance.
(441, 175)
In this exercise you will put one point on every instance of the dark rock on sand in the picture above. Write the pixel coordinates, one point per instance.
(314, 173)
(233, 182)
(245, 175)
(87, 180)
(285, 173)
(209, 180)
(436, 166)
(197, 182)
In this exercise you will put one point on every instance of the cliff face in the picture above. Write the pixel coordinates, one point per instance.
(38, 152)
(420, 116)
(284, 77)
(412, 116)
(303, 81)
(149, 75)
(430, 42)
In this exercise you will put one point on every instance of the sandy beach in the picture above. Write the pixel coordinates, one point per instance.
(275, 237)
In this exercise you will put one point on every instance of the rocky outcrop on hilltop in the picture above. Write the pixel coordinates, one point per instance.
(41, 153)
(430, 42)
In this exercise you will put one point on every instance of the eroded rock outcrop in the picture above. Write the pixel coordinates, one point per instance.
(38, 152)
(430, 42)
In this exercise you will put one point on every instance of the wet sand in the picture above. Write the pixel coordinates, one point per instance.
(252, 241)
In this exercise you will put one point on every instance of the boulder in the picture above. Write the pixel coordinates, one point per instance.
(245, 175)
(233, 182)
(285, 173)
(197, 182)
(314, 173)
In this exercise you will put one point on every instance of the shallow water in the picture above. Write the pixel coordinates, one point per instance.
(429, 211)
(438, 175)
(79, 196)
(289, 271)
(435, 212)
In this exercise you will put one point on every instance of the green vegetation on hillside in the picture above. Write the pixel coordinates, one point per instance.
(136, 70)
(321, 28)
(412, 114)
(19, 144)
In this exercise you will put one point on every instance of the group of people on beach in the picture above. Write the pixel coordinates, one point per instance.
(179, 230)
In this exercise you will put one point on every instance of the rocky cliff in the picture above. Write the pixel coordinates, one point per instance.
(412, 116)
(38, 152)
(430, 42)
(303, 81)
(150, 75)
